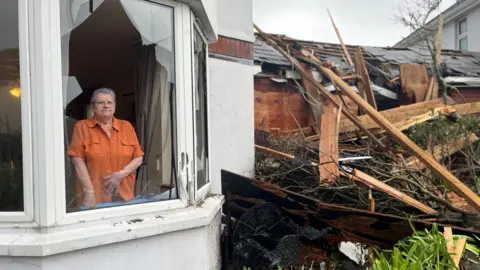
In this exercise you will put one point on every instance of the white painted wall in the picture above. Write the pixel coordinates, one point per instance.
(449, 36)
(235, 19)
(182, 250)
(231, 116)
(473, 22)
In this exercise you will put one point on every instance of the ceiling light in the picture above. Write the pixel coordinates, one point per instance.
(16, 92)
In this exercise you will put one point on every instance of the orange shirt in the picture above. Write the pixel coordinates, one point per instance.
(104, 156)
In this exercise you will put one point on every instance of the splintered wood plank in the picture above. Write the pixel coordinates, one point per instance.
(448, 235)
(364, 85)
(328, 145)
(345, 50)
(414, 79)
(372, 182)
(431, 86)
(460, 247)
(400, 113)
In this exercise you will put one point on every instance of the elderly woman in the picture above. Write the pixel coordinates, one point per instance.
(106, 153)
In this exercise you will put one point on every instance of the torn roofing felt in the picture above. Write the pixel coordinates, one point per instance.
(387, 60)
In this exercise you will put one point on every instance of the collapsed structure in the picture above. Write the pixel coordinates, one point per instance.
(344, 131)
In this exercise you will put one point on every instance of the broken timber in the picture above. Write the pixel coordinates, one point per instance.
(328, 144)
(403, 112)
(472, 198)
(371, 182)
(347, 224)
(364, 85)
(320, 87)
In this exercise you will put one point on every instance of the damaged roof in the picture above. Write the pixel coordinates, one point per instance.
(456, 63)
(263, 53)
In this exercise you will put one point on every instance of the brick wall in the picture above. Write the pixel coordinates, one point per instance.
(232, 47)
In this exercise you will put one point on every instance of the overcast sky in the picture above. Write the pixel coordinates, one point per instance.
(361, 22)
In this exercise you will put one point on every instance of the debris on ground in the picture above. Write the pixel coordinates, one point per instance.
(364, 149)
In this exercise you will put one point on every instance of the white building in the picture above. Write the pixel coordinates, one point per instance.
(460, 28)
(191, 104)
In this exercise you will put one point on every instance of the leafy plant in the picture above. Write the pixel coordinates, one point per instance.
(423, 250)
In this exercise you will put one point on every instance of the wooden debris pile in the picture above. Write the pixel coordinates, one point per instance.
(420, 159)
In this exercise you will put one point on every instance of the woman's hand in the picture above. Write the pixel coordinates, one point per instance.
(113, 182)
(89, 199)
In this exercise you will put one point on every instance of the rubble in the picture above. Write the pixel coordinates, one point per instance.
(370, 145)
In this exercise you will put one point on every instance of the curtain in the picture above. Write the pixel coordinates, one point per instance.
(151, 86)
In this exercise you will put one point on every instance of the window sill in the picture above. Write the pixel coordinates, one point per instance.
(36, 244)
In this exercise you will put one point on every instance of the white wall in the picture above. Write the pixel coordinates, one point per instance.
(473, 22)
(235, 19)
(449, 36)
(231, 119)
(190, 249)
(450, 40)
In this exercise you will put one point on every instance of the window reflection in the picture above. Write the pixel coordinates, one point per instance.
(11, 179)
(125, 48)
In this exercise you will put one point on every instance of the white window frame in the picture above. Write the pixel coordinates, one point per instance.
(199, 194)
(461, 36)
(42, 122)
(26, 117)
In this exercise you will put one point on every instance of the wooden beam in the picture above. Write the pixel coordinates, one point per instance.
(371, 182)
(320, 87)
(402, 125)
(404, 112)
(364, 86)
(328, 145)
(460, 247)
(345, 50)
(440, 151)
(448, 235)
(458, 186)
(431, 85)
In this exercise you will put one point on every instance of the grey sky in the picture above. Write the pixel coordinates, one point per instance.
(361, 22)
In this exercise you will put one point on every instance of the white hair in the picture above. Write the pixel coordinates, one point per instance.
(102, 91)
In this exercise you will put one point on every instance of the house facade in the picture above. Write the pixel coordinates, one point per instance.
(179, 71)
(461, 22)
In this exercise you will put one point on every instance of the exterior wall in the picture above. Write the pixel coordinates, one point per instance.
(473, 26)
(471, 11)
(231, 119)
(190, 249)
(231, 109)
(449, 36)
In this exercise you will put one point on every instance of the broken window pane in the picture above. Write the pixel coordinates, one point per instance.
(126, 47)
(201, 111)
(11, 174)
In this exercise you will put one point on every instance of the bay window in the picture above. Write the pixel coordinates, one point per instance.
(200, 111)
(53, 55)
(15, 152)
